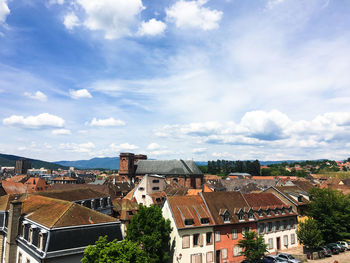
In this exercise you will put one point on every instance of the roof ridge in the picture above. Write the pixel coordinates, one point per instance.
(186, 166)
(71, 204)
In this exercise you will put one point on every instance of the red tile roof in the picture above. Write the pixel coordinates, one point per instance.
(189, 207)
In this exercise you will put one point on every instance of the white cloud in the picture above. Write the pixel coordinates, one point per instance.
(152, 27)
(199, 150)
(71, 21)
(122, 147)
(80, 93)
(61, 132)
(109, 122)
(36, 96)
(192, 14)
(155, 146)
(40, 121)
(4, 11)
(272, 3)
(115, 18)
(59, 2)
(80, 148)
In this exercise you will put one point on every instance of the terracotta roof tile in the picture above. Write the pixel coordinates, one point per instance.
(189, 207)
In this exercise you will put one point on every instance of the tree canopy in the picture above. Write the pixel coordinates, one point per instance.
(149, 229)
(309, 234)
(331, 209)
(253, 246)
(114, 252)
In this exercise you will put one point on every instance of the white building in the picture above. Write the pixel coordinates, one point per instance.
(193, 229)
(147, 191)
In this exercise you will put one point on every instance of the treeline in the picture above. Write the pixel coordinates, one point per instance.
(224, 167)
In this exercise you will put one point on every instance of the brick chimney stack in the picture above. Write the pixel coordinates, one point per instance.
(12, 231)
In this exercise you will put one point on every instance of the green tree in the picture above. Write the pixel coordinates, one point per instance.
(118, 252)
(253, 246)
(331, 210)
(309, 234)
(149, 229)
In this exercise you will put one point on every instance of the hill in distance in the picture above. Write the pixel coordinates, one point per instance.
(10, 160)
(111, 163)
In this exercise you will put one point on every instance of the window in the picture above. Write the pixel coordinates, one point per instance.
(22, 230)
(30, 236)
(188, 222)
(268, 212)
(234, 233)
(210, 257)
(28, 260)
(251, 216)
(40, 241)
(204, 220)
(236, 251)
(260, 213)
(186, 241)
(195, 240)
(266, 228)
(276, 211)
(196, 258)
(143, 196)
(141, 188)
(283, 211)
(241, 216)
(155, 181)
(224, 253)
(270, 226)
(217, 236)
(291, 222)
(282, 226)
(285, 240)
(19, 257)
(274, 227)
(292, 239)
(270, 243)
(261, 228)
(155, 188)
(300, 198)
(209, 238)
(277, 225)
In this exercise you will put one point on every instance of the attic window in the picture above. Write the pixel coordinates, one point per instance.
(283, 211)
(250, 215)
(276, 211)
(188, 222)
(260, 213)
(240, 216)
(290, 209)
(300, 198)
(204, 220)
(268, 212)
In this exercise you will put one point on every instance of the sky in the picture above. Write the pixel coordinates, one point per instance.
(201, 80)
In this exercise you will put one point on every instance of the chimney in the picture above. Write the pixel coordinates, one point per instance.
(12, 231)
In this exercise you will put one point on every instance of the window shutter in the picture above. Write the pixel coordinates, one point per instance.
(210, 257)
(185, 241)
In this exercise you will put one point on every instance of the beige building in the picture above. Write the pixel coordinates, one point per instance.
(193, 229)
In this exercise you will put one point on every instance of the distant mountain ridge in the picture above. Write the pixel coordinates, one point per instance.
(10, 160)
(111, 163)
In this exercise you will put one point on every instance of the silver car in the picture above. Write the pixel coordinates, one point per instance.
(289, 258)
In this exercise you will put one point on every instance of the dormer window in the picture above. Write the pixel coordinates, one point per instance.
(240, 215)
(290, 209)
(276, 211)
(188, 222)
(250, 215)
(260, 213)
(204, 221)
(40, 241)
(30, 235)
(268, 212)
(300, 198)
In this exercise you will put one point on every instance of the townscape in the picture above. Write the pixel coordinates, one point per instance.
(53, 216)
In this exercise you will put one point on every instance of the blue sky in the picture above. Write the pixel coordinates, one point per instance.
(203, 80)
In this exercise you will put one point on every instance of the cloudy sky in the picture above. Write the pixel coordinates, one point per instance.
(202, 79)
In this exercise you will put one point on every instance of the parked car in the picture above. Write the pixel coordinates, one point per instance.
(326, 251)
(288, 257)
(273, 259)
(334, 248)
(344, 244)
(341, 248)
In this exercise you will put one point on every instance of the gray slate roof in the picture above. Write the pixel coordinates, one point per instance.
(167, 167)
